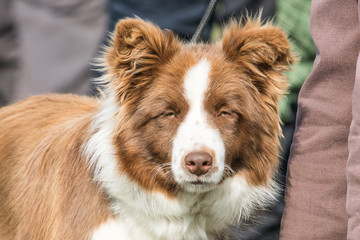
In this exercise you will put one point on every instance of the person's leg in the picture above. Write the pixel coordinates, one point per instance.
(353, 165)
(8, 52)
(57, 40)
(316, 179)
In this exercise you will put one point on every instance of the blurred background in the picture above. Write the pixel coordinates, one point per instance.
(48, 45)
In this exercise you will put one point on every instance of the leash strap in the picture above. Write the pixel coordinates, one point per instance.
(204, 20)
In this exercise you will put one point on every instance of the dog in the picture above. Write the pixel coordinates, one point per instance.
(183, 143)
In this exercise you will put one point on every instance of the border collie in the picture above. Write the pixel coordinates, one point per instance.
(183, 144)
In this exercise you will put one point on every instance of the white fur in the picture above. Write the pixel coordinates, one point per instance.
(140, 214)
(195, 134)
(99, 148)
(201, 214)
(111, 230)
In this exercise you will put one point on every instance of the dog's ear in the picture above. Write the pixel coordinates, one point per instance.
(137, 50)
(263, 51)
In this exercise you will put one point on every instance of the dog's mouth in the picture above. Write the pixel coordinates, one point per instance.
(198, 186)
(198, 182)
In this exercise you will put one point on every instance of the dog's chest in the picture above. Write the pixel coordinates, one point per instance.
(191, 216)
(192, 223)
(160, 229)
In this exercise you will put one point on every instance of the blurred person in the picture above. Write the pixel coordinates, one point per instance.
(182, 17)
(323, 183)
(240, 9)
(46, 46)
(8, 52)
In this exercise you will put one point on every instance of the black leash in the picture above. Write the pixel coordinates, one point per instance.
(204, 20)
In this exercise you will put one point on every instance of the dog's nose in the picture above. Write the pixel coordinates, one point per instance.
(198, 163)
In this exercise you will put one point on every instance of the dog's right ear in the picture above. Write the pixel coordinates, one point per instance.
(136, 51)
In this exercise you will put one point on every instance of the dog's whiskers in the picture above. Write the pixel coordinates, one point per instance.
(229, 172)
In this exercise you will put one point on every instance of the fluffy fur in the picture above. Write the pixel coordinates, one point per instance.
(113, 168)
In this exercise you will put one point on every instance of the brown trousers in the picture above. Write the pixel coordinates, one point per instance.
(323, 180)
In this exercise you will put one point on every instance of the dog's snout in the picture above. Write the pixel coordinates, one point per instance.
(198, 163)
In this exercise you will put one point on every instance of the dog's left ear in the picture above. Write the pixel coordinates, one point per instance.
(137, 50)
(264, 53)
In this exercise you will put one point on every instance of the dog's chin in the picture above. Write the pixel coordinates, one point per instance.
(198, 186)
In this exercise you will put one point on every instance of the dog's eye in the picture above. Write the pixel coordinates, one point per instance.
(169, 114)
(224, 114)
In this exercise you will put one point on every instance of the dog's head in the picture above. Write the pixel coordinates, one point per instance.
(191, 116)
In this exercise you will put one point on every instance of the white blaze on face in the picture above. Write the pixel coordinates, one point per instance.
(194, 133)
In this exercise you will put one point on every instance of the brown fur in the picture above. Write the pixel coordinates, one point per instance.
(46, 187)
(46, 191)
(260, 54)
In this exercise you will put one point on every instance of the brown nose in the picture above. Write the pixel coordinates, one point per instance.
(198, 163)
